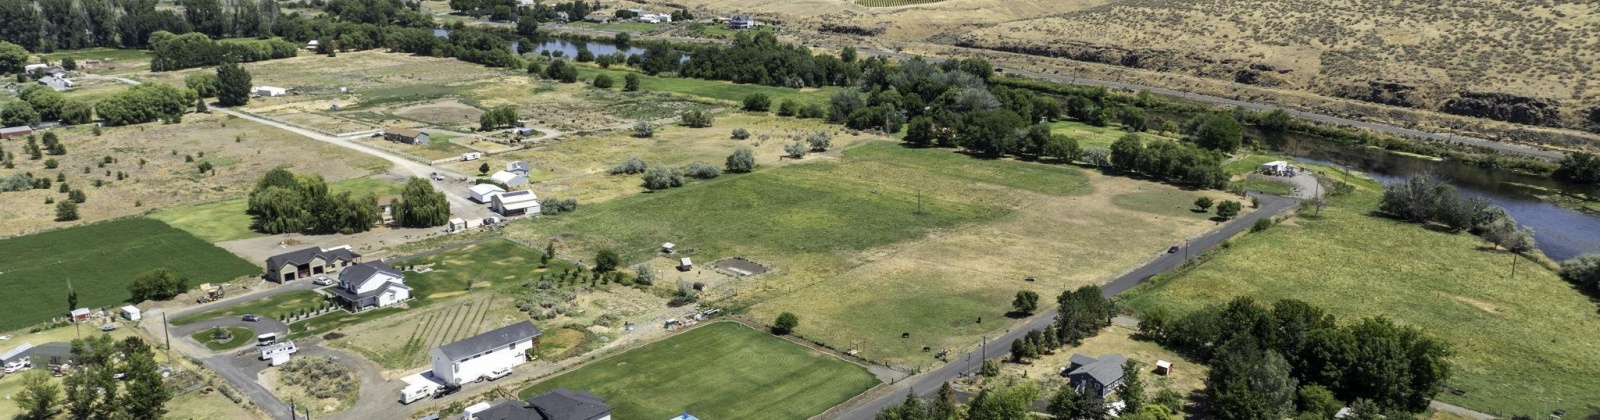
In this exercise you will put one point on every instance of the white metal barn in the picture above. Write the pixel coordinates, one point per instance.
(477, 356)
(483, 192)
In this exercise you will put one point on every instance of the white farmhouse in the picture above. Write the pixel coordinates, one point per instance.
(483, 192)
(371, 285)
(515, 203)
(511, 179)
(478, 356)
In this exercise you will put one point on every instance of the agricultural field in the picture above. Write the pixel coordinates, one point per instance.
(227, 220)
(100, 259)
(720, 370)
(577, 167)
(732, 93)
(135, 169)
(1520, 344)
(848, 241)
(270, 307)
(494, 264)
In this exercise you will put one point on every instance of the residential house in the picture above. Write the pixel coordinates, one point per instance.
(314, 261)
(483, 192)
(598, 17)
(558, 404)
(18, 131)
(477, 356)
(35, 67)
(741, 22)
(520, 167)
(515, 203)
(57, 83)
(405, 135)
(1100, 375)
(371, 285)
(511, 179)
(563, 17)
(268, 91)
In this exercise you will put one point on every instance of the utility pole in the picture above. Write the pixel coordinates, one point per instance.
(166, 329)
(1514, 266)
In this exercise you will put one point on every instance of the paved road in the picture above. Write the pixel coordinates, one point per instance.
(1507, 148)
(866, 406)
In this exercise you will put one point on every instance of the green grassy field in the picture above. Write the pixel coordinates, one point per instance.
(492, 263)
(270, 307)
(335, 320)
(1523, 345)
(1091, 136)
(226, 220)
(635, 27)
(714, 89)
(100, 259)
(868, 199)
(718, 371)
(241, 335)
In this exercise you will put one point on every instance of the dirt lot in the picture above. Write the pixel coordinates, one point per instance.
(450, 112)
(156, 173)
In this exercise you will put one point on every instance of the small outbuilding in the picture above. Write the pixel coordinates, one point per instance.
(511, 179)
(268, 91)
(667, 248)
(18, 131)
(520, 167)
(515, 203)
(1163, 367)
(684, 264)
(80, 314)
(405, 135)
(483, 193)
(131, 313)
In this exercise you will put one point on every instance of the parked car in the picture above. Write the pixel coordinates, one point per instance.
(322, 281)
(251, 317)
(1172, 250)
(446, 391)
(19, 365)
(503, 372)
(108, 327)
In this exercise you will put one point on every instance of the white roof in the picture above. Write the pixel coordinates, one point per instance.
(271, 88)
(667, 245)
(1163, 364)
(503, 177)
(457, 221)
(80, 311)
(517, 200)
(1275, 164)
(685, 261)
(130, 309)
(485, 189)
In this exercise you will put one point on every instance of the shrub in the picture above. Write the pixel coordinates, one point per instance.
(819, 141)
(795, 150)
(660, 177)
(788, 108)
(696, 119)
(603, 81)
(1261, 225)
(643, 130)
(785, 323)
(757, 102)
(701, 170)
(634, 165)
(741, 161)
(741, 133)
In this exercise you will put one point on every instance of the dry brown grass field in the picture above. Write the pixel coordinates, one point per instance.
(240, 151)
(1186, 376)
(1527, 62)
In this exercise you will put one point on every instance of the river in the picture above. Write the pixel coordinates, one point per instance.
(1561, 233)
(565, 47)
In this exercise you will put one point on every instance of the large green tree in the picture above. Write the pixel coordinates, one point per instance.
(1082, 313)
(233, 85)
(39, 396)
(147, 393)
(421, 205)
(157, 284)
(1219, 132)
(12, 57)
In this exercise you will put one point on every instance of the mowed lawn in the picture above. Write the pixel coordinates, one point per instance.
(100, 260)
(722, 370)
(496, 262)
(1523, 345)
(271, 307)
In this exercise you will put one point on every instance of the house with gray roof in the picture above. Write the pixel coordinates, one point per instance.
(476, 357)
(57, 83)
(371, 285)
(558, 404)
(1100, 375)
(310, 262)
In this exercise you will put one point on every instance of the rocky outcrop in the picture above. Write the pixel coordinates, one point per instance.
(1380, 92)
(1593, 120)
(1505, 107)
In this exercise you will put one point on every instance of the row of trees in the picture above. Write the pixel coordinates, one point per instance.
(175, 52)
(41, 103)
(1171, 161)
(1580, 167)
(499, 117)
(1424, 199)
(1262, 357)
(118, 379)
(146, 103)
(157, 284)
(283, 202)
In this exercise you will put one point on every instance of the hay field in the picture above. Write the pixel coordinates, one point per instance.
(1521, 345)
(239, 150)
(847, 243)
(720, 370)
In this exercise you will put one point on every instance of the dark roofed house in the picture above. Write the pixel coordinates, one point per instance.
(371, 285)
(558, 404)
(1100, 375)
(290, 266)
(405, 135)
(741, 22)
(478, 356)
